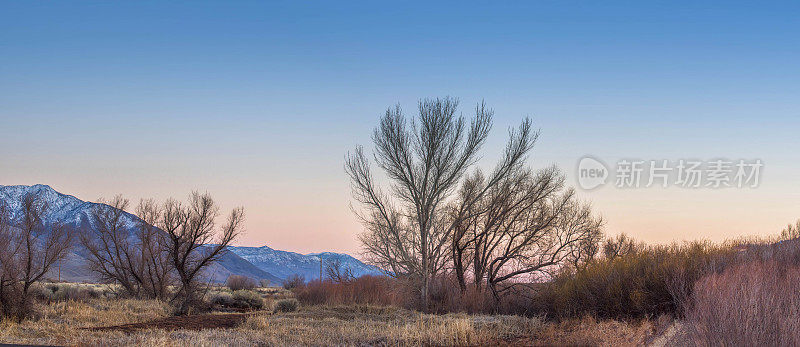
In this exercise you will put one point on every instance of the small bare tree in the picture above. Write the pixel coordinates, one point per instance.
(136, 261)
(336, 272)
(193, 243)
(407, 230)
(27, 253)
(619, 246)
(239, 282)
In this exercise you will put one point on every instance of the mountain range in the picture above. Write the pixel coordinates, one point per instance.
(261, 263)
(284, 264)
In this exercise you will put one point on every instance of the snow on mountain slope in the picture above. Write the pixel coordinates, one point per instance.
(284, 264)
(76, 213)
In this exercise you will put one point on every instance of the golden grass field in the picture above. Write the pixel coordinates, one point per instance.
(66, 323)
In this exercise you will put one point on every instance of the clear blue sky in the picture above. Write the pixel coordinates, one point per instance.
(257, 102)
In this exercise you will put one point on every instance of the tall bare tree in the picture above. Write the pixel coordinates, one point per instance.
(193, 242)
(27, 253)
(408, 229)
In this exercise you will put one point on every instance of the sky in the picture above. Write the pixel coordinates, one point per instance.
(257, 103)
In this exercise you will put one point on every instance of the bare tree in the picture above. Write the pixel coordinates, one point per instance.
(620, 246)
(27, 253)
(193, 242)
(524, 226)
(408, 229)
(538, 239)
(239, 282)
(157, 273)
(134, 260)
(335, 271)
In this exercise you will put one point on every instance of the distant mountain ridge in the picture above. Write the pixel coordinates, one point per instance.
(285, 264)
(255, 262)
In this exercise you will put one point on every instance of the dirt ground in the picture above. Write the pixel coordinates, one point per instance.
(193, 322)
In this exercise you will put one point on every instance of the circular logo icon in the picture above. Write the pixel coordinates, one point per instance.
(591, 173)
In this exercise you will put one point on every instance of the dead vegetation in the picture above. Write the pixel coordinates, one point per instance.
(148, 322)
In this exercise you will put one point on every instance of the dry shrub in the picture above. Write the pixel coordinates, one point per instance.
(54, 292)
(239, 282)
(369, 290)
(588, 331)
(653, 281)
(445, 295)
(754, 304)
(222, 299)
(286, 305)
(248, 299)
(239, 299)
(294, 281)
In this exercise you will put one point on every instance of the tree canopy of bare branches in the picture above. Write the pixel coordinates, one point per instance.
(27, 253)
(136, 261)
(173, 244)
(526, 225)
(408, 226)
(194, 242)
(336, 272)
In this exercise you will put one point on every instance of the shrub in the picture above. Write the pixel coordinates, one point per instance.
(652, 281)
(286, 305)
(369, 290)
(264, 283)
(238, 282)
(240, 299)
(222, 299)
(294, 281)
(248, 299)
(53, 292)
(753, 304)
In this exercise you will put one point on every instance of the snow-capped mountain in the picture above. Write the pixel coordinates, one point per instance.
(76, 213)
(61, 208)
(284, 264)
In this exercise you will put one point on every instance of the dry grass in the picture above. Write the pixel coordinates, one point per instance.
(591, 332)
(62, 323)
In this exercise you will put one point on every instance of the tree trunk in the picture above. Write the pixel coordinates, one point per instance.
(458, 265)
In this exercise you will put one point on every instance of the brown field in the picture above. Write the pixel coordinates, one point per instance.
(110, 321)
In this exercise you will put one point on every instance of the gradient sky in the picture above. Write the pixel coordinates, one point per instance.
(258, 102)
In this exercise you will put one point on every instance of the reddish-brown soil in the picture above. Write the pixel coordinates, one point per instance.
(194, 322)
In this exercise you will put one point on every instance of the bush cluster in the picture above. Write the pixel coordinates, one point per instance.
(239, 299)
(286, 305)
(238, 282)
(652, 281)
(55, 292)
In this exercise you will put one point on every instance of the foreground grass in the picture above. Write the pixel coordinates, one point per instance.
(64, 323)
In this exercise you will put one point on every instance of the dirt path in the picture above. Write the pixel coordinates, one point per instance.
(666, 338)
(195, 322)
